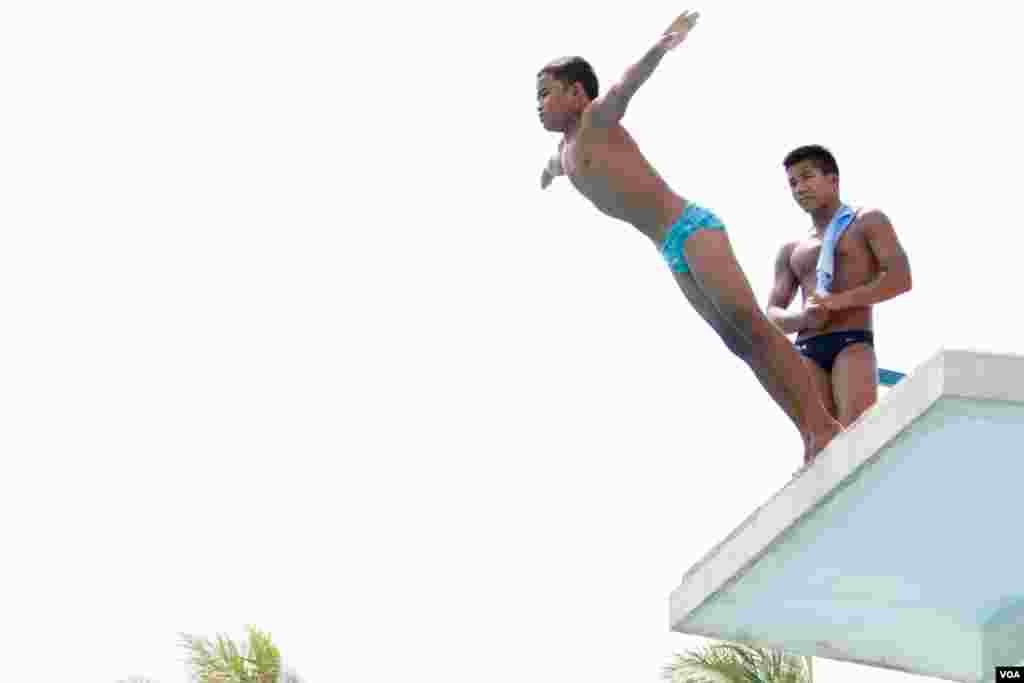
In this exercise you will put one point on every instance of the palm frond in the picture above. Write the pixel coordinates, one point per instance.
(735, 663)
(257, 660)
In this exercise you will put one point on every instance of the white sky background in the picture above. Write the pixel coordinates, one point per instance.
(291, 336)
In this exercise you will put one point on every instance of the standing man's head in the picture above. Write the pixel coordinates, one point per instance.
(813, 177)
(564, 89)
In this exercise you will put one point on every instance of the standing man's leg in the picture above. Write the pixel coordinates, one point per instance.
(717, 272)
(823, 383)
(854, 382)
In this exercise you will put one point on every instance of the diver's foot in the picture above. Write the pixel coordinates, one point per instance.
(815, 442)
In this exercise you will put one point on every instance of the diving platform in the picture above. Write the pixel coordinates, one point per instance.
(901, 546)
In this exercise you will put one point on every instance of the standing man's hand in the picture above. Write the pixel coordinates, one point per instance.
(815, 316)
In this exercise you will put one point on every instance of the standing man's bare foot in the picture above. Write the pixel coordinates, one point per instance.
(816, 442)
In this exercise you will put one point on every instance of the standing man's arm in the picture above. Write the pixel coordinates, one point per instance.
(784, 290)
(893, 276)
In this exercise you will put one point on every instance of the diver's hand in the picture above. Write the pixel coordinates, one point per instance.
(677, 31)
(551, 170)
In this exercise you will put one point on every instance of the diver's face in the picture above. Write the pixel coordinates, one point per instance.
(811, 188)
(558, 104)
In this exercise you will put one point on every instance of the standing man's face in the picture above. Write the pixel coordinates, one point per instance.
(811, 188)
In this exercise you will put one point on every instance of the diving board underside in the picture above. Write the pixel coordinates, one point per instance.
(901, 547)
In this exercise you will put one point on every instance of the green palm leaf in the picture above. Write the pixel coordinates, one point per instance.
(734, 663)
(257, 660)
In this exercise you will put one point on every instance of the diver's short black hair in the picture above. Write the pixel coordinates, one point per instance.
(822, 158)
(571, 70)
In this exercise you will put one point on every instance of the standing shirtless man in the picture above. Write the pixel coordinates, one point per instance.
(834, 330)
(603, 162)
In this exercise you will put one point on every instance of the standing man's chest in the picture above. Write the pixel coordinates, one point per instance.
(852, 254)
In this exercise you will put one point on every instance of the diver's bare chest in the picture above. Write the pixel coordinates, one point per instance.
(578, 158)
(592, 151)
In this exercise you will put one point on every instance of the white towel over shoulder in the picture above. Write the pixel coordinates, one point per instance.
(826, 269)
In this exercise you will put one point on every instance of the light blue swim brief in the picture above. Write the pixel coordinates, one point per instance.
(693, 218)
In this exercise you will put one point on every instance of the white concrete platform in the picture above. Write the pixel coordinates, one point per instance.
(903, 545)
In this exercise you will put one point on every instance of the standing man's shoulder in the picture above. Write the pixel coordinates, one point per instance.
(872, 216)
(787, 248)
(870, 221)
(784, 256)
